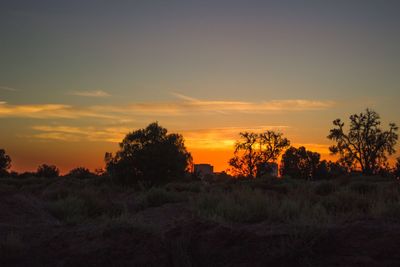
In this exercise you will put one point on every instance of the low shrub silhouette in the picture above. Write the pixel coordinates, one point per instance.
(47, 171)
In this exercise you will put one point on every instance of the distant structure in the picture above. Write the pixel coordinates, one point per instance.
(203, 170)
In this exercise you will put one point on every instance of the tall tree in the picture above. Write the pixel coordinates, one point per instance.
(271, 145)
(366, 144)
(246, 155)
(150, 155)
(5, 162)
(300, 163)
(254, 152)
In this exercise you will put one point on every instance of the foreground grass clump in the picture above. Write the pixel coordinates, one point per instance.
(126, 223)
(75, 209)
(157, 196)
(247, 206)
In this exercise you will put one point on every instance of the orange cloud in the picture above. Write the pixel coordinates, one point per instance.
(183, 107)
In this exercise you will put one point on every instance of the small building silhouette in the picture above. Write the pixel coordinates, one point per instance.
(203, 170)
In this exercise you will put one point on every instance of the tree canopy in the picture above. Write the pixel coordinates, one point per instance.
(253, 151)
(150, 155)
(5, 162)
(300, 163)
(365, 144)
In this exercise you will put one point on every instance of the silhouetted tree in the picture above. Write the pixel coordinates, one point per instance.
(271, 146)
(322, 170)
(47, 171)
(246, 155)
(299, 163)
(5, 163)
(254, 152)
(396, 170)
(366, 144)
(328, 170)
(81, 173)
(150, 155)
(336, 169)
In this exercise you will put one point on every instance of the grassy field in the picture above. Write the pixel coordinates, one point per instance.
(290, 220)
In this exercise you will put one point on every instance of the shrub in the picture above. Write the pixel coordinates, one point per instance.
(47, 171)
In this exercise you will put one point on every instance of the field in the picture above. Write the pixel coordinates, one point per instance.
(349, 221)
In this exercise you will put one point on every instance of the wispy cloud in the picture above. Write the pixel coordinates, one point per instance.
(6, 88)
(94, 93)
(48, 111)
(187, 105)
(181, 106)
(73, 134)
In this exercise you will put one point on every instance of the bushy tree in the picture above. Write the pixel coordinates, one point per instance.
(246, 155)
(300, 163)
(328, 170)
(365, 144)
(254, 152)
(47, 171)
(81, 173)
(5, 163)
(149, 155)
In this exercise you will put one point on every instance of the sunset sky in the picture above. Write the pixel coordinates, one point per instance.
(76, 76)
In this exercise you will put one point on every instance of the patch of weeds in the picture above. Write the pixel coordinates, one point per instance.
(346, 202)
(324, 188)
(156, 197)
(194, 187)
(247, 206)
(70, 210)
(363, 187)
(126, 223)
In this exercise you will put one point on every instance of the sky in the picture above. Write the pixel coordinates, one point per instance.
(76, 76)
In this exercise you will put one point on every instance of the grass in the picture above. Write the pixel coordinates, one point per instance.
(126, 223)
(157, 196)
(305, 203)
(83, 206)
